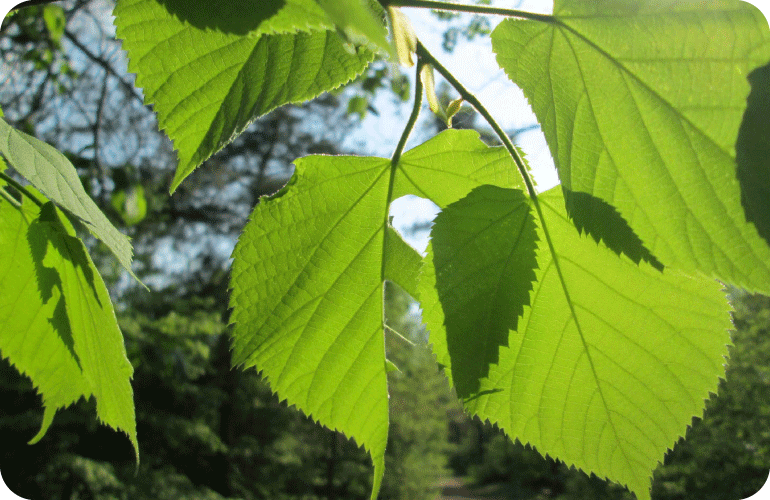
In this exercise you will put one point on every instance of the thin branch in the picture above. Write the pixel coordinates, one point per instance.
(418, 90)
(412, 117)
(476, 9)
(471, 99)
(18, 187)
(97, 135)
(101, 62)
(7, 197)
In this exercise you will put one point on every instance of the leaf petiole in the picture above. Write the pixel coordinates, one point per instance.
(7, 197)
(471, 99)
(20, 189)
(397, 154)
(418, 87)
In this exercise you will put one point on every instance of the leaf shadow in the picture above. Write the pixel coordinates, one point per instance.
(47, 279)
(238, 17)
(45, 233)
(602, 221)
(752, 153)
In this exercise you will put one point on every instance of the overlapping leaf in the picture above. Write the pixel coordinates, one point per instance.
(610, 360)
(57, 325)
(641, 103)
(483, 261)
(208, 84)
(307, 281)
(53, 174)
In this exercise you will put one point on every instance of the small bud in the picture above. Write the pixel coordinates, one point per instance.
(403, 36)
(452, 109)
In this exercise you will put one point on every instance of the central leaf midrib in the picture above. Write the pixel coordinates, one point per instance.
(573, 313)
(301, 272)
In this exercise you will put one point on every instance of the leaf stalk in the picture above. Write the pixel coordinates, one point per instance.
(471, 99)
(18, 187)
(418, 89)
(423, 54)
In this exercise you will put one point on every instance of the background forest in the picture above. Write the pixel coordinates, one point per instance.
(210, 432)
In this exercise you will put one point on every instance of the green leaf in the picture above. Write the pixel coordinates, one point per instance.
(53, 174)
(641, 103)
(483, 248)
(208, 85)
(359, 23)
(55, 22)
(404, 37)
(130, 203)
(610, 360)
(308, 273)
(57, 324)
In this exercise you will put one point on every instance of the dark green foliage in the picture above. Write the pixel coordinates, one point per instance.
(209, 432)
(418, 448)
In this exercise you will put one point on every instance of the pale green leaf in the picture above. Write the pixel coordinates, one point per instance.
(207, 85)
(360, 22)
(55, 176)
(609, 361)
(308, 273)
(55, 21)
(404, 37)
(57, 324)
(641, 103)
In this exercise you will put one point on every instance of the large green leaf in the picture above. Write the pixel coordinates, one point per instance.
(54, 175)
(57, 325)
(207, 85)
(308, 273)
(610, 360)
(641, 103)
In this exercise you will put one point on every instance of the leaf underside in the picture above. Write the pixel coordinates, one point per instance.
(483, 249)
(610, 360)
(57, 324)
(308, 273)
(641, 104)
(208, 85)
(54, 175)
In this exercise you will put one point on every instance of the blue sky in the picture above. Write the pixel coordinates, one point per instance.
(473, 63)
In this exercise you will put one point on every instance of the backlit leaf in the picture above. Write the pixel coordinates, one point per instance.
(483, 261)
(207, 85)
(609, 361)
(641, 103)
(308, 274)
(55, 176)
(57, 324)
(361, 21)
